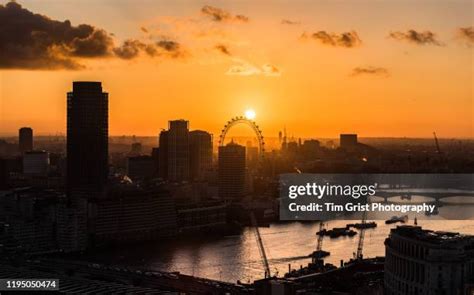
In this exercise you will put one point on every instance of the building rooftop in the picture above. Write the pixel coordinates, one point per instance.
(432, 237)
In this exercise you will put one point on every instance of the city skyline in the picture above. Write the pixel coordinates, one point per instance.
(320, 71)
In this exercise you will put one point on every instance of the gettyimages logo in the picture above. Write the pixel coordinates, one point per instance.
(320, 191)
(379, 196)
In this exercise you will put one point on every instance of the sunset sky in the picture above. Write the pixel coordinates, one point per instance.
(379, 68)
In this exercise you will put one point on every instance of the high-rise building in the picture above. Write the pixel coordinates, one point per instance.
(231, 172)
(163, 155)
(178, 150)
(200, 153)
(426, 262)
(87, 138)
(348, 140)
(25, 140)
(36, 163)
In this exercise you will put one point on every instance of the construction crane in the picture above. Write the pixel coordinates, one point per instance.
(319, 247)
(360, 246)
(319, 253)
(437, 143)
(261, 248)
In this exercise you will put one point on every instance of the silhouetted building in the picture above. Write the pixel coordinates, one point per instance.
(3, 174)
(292, 147)
(174, 151)
(140, 167)
(252, 155)
(426, 262)
(231, 172)
(348, 140)
(136, 149)
(163, 155)
(25, 139)
(87, 137)
(178, 150)
(200, 153)
(310, 148)
(30, 216)
(132, 215)
(36, 163)
(155, 154)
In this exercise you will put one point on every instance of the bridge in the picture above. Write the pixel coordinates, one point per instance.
(437, 194)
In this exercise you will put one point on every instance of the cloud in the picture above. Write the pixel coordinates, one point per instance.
(346, 39)
(220, 15)
(289, 22)
(34, 41)
(374, 71)
(223, 49)
(244, 68)
(132, 48)
(270, 70)
(467, 34)
(415, 37)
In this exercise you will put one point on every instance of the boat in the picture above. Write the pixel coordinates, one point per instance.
(316, 266)
(367, 225)
(337, 232)
(395, 219)
(319, 254)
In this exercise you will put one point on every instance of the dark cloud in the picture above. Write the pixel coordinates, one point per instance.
(289, 22)
(415, 37)
(220, 15)
(97, 44)
(34, 41)
(347, 39)
(168, 45)
(241, 18)
(129, 49)
(132, 48)
(375, 71)
(467, 34)
(223, 49)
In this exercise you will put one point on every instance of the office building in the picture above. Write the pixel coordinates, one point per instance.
(87, 138)
(132, 215)
(25, 139)
(163, 155)
(30, 217)
(36, 163)
(348, 140)
(426, 262)
(178, 150)
(231, 172)
(174, 151)
(155, 154)
(140, 167)
(200, 153)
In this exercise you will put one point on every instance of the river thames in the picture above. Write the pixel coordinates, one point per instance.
(233, 258)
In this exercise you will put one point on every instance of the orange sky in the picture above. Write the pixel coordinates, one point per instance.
(317, 86)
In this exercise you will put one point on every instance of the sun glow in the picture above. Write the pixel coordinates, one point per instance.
(250, 114)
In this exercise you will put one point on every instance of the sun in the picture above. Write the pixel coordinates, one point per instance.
(250, 114)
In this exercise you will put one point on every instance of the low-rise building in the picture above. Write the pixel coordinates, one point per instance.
(425, 262)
